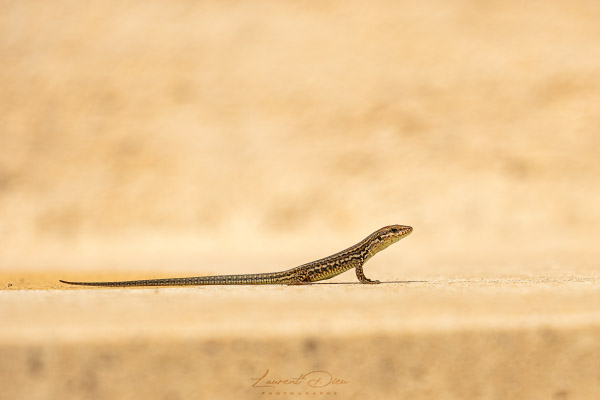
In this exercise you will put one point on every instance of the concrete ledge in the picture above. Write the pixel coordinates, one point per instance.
(439, 339)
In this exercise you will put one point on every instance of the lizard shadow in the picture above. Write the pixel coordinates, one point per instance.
(359, 283)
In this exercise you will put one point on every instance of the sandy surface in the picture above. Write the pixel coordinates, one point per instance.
(488, 338)
(347, 309)
(501, 338)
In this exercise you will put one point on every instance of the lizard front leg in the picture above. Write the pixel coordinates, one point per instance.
(361, 276)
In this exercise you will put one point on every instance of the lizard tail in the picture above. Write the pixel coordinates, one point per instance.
(247, 279)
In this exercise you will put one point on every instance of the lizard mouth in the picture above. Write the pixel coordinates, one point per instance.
(404, 231)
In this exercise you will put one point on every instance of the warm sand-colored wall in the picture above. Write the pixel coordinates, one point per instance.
(139, 128)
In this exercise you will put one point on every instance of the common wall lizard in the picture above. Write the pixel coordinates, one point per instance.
(325, 268)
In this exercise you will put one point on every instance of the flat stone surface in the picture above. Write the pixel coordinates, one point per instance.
(484, 338)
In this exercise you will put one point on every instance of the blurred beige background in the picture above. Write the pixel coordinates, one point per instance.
(254, 136)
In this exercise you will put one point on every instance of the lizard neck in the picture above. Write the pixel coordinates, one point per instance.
(374, 245)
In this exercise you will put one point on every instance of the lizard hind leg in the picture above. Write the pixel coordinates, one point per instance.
(300, 278)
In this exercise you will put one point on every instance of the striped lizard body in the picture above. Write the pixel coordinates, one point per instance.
(325, 268)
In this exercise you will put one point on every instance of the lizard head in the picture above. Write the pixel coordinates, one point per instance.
(382, 238)
(393, 233)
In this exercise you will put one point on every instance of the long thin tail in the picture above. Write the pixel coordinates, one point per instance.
(247, 279)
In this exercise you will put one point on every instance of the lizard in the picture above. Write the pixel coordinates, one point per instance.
(324, 268)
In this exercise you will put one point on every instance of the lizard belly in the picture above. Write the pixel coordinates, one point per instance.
(322, 273)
